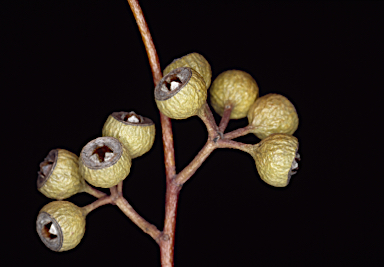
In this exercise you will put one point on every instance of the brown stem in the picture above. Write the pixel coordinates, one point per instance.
(188, 171)
(206, 116)
(92, 191)
(147, 40)
(113, 190)
(100, 202)
(239, 132)
(225, 143)
(169, 154)
(167, 240)
(114, 194)
(169, 151)
(147, 227)
(120, 188)
(226, 117)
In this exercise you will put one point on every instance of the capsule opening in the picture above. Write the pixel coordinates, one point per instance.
(46, 167)
(171, 84)
(103, 153)
(48, 231)
(132, 118)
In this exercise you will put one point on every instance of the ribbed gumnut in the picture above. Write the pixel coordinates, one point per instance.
(273, 113)
(181, 93)
(275, 158)
(136, 132)
(60, 225)
(59, 176)
(104, 162)
(194, 61)
(236, 88)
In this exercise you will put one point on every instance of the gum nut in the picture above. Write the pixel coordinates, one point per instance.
(59, 176)
(194, 61)
(60, 225)
(236, 88)
(104, 162)
(275, 158)
(273, 113)
(181, 93)
(136, 132)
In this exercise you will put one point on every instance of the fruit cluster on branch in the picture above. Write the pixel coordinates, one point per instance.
(106, 161)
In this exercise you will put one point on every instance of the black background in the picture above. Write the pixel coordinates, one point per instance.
(69, 64)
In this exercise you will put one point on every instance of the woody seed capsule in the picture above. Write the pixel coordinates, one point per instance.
(181, 93)
(194, 61)
(275, 158)
(104, 162)
(272, 113)
(236, 88)
(59, 176)
(136, 132)
(60, 225)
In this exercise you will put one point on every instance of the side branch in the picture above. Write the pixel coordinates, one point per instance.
(239, 132)
(205, 114)
(188, 171)
(93, 191)
(225, 118)
(98, 203)
(148, 228)
(225, 143)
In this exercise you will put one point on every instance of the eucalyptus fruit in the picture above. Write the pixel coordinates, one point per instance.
(59, 176)
(60, 225)
(236, 88)
(194, 61)
(104, 162)
(181, 93)
(272, 113)
(136, 132)
(276, 158)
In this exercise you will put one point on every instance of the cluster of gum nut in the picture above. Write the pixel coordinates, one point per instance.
(182, 92)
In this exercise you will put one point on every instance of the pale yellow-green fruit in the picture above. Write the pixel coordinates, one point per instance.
(59, 176)
(60, 225)
(136, 132)
(273, 113)
(236, 88)
(104, 162)
(181, 93)
(194, 61)
(275, 158)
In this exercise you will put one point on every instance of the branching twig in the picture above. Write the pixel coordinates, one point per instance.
(225, 119)
(188, 171)
(148, 228)
(98, 203)
(94, 192)
(206, 116)
(120, 188)
(239, 132)
(226, 143)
